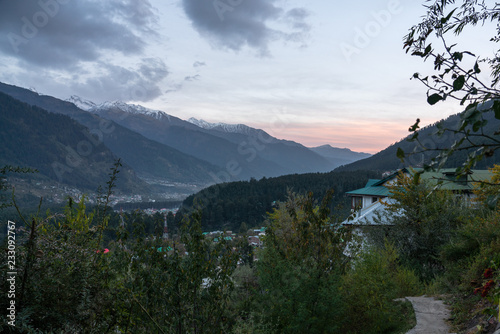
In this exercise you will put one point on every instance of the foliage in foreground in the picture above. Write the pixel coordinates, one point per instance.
(369, 288)
(308, 284)
(419, 222)
(73, 279)
(70, 279)
(449, 245)
(299, 269)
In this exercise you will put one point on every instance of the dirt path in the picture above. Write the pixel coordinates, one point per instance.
(431, 315)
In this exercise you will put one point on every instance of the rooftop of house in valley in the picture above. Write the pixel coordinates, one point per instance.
(367, 201)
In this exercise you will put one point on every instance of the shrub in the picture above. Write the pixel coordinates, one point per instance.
(369, 290)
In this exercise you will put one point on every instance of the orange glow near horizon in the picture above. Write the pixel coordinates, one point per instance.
(367, 137)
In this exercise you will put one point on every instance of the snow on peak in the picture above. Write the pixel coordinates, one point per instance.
(131, 109)
(81, 103)
(231, 128)
(202, 123)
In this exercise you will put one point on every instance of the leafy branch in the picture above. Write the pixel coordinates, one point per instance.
(458, 75)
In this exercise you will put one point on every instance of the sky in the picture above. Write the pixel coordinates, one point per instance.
(317, 72)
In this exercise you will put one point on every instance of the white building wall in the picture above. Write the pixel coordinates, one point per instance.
(367, 201)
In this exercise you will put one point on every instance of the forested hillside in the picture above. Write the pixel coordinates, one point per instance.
(228, 205)
(387, 159)
(32, 137)
(147, 157)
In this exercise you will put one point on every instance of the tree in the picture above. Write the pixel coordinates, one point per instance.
(487, 193)
(72, 279)
(420, 221)
(300, 266)
(458, 75)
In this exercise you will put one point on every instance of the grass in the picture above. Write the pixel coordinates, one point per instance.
(407, 317)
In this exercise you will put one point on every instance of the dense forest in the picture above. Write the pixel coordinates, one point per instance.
(227, 206)
(52, 144)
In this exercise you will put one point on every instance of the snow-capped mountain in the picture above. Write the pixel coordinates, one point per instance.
(224, 127)
(81, 103)
(129, 108)
(256, 152)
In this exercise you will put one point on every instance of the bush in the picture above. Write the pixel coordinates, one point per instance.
(300, 268)
(422, 220)
(369, 290)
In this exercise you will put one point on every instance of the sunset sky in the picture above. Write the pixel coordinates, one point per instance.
(317, 72)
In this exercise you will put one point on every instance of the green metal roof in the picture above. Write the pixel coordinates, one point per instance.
(445, 178)
(371, 182)
(370, 191)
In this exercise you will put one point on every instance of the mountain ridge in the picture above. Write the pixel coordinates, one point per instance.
(387, 160)
(253, 152)
(147, 157)
(58, 147)
(159, 145)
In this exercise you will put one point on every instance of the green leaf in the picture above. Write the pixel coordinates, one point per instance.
(434, 98)
(470, 106)
(415, 126)
(445, 19)
(496, 109)
(464, 99)
(476, 68)
(478, 125)
(459, 82)
(427, 50)
(400, 154)
(458, 56)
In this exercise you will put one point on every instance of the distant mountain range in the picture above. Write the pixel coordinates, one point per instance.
(148, 158)
(158, 147)
(339, 156)
(241, 152)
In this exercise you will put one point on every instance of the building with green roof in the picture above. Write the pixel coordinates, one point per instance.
(366, 202)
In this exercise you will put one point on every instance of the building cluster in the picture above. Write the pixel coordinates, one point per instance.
(152, 211)
(255, 238)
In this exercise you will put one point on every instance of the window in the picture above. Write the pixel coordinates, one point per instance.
(357, 202)
(374, 199)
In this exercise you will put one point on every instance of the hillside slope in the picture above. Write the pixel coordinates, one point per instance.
(228, 205)
(240, 156)
(57, 147)
(148, 157)
(386, 160)
(339, 156)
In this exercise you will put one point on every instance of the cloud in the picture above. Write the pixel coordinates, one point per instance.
(61, 33)
(112, 82)
(199, 64)
(175, 87)
(297, 18)
(235, 24)
(192, 77)
(85, 42)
